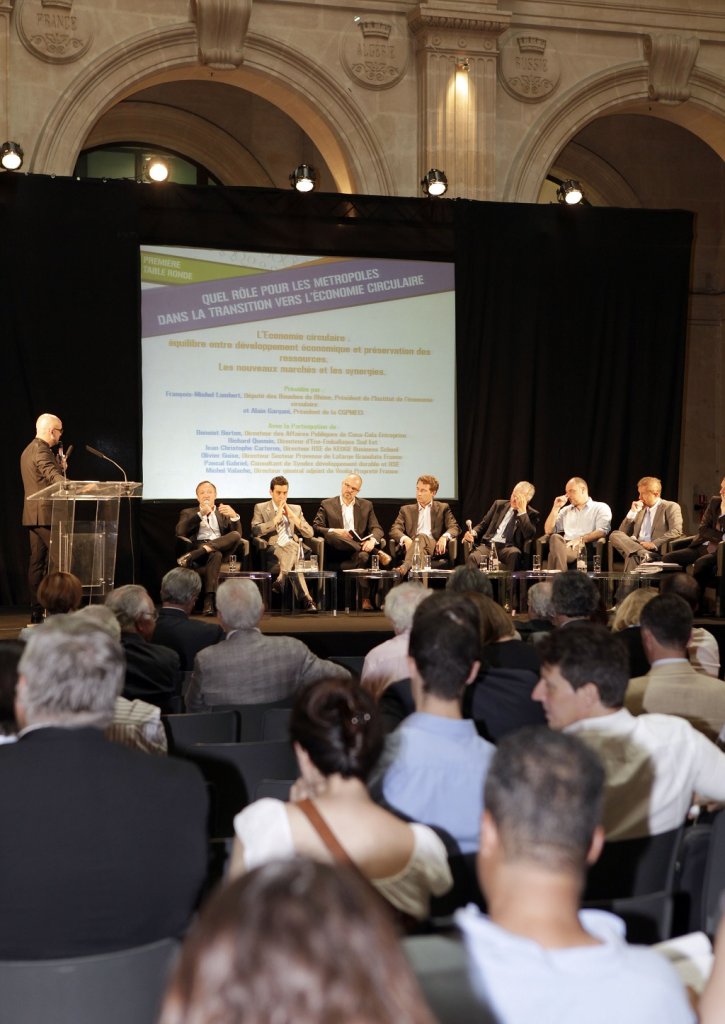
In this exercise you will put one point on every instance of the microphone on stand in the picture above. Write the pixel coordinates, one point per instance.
(100, 455)
(64, 458)
(469, 524)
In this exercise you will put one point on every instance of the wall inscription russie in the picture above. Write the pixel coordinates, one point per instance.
(529, 67)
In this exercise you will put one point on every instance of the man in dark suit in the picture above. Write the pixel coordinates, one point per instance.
(650, 523)
(105, 847)
(40, 467)
(180, 589)
(214, 530)
(248, 667)
(426, 526)
(507, 526)
(153, 672)
(702, 551)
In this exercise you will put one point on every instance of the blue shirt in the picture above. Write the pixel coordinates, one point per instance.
(435, 770)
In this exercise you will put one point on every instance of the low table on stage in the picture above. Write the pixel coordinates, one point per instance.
(500, 580)
(262, 579)
(322, 587)
(362, 583)
(612, 586)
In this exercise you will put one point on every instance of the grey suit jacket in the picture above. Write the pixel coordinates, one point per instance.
(250, 668)
(442, 520)
(677, 689)
(263, 523)
(666, 526)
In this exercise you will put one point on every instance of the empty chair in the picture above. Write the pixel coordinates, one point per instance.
(275, 724)
(201, 727)
(353, 662)
(234, 772)
(252, 716)
(275, 789)
(124, 987)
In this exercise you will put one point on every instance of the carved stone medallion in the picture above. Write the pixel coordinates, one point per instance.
(374, 53)
(52, 30)
(529, 67)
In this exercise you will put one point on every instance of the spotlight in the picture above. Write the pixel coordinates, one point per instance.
(303, 178)
(155, 169)
(11, 156)
(434, 183)
(570, 192)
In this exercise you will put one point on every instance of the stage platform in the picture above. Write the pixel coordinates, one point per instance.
(326, 635)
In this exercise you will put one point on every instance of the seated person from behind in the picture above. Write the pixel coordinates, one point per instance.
(214, 530)
(507, 526)
(702, 649)
(248, 667)
(672, 686)
(58, 594)
(337, 736)
(536, 956)
(650, 523)
(281, 525)
(574, 596)
(435, 763)
(388, 662)
(540, 612)
(626, 628)
(153, 672)
(653, 763)
(425, 527)
(575, 519)
(180, 589)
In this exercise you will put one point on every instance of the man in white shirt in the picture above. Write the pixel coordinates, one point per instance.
(654, 763)
(213, 531)
(535, 956)
(650, 523)
(575, 519)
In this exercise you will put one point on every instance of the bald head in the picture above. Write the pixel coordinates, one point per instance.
(48, 428)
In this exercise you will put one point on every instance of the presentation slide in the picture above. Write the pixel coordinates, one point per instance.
(259, 364)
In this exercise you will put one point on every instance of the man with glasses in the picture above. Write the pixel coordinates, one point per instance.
(40, 467)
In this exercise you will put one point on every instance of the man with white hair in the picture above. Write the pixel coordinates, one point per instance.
(388, 662)
(248, 667)
(153, 672)
(107, 846)
(40, 467)
(507, 527)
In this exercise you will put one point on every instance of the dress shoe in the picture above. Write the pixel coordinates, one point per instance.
(278, 585)
(367, 605)
(309, 606)
(384, 558)
(184, 561)
(644, 557)
(208, 605)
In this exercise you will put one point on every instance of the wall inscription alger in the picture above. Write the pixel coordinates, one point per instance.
(374, 53)
(52, 30)
(529, 67)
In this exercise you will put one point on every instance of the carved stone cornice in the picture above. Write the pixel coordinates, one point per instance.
(221, 27)
(445, 26)
(671, 59)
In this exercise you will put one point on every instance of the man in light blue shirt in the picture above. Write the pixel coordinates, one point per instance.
(435, 763)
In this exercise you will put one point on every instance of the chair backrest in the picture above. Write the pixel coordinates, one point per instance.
(714, 877)
(353, 662)
(116, 988)
(275, 724)
(234, 772)
(277, 789)
(635, 867)
(252, 716)
(201, 727)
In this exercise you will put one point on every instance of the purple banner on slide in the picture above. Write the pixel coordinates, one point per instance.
(307, 289)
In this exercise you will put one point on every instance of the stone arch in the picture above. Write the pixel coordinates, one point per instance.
(618, 91)
(278, 72)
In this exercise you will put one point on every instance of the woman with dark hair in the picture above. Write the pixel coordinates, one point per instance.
(294, 942)
(337, 736)
(60, 593)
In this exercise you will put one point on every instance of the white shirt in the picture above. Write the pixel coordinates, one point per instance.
(523, 983)
(209, 527)
(348, 514)
(424, 519)
(499, 536)
(576, 522)
(654, 764)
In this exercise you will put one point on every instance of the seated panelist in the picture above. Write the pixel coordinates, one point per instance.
(214, 530)
(507, 526)
(349, 527)
(425, 526)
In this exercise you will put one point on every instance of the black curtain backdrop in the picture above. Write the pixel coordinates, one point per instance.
(570, 334)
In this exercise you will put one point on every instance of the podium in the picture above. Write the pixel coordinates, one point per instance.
(84, 529)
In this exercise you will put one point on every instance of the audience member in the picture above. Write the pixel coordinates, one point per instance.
(10, 652)
(294, 941)
(702, 649)
(540, 613)
(135, 722)
(180, 589)
(672, 686)
(388, 662)
(153, 672)
(338, 737)
(58, 593)
(574, 595)
(500, 697)
(536, 956)
(248, 667)
(434, 764)
(466, 580)
(626, 628)
(653, 763)
(107, 848)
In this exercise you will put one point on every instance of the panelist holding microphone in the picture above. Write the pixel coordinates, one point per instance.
(40, 467)
(213, 530)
